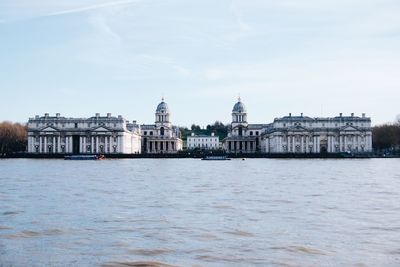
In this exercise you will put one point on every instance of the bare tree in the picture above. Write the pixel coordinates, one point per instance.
(13, 138)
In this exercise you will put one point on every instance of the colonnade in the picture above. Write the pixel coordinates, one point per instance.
(317, 143)
(64, 144)
(157, 146)
(241, 146)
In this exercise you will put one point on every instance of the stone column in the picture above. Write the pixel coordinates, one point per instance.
(97, 144)
(45, 144)
(105, 144)
(80, 144)
(71, 144)
(59, 144)
(293, 137)
(91, 144)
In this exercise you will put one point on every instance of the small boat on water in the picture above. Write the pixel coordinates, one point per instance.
(215, 158)
(84, 157)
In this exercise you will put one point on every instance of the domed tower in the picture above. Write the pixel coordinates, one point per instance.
(162, 118)
(162, 112)
(239, 113)
(239, 118)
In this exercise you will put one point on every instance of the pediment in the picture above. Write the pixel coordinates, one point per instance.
(49, 129)
(298, 129)
(101, 129)
(349, 128)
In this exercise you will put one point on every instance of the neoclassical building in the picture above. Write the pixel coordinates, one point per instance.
(242, 136)
(95, 135)
(204, 142)
(161, 137)
(299, 134)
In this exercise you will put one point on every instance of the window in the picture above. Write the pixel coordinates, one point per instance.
(256, 133)
(151, 133)
(145, 133)
(76, 125)
(162, 131)
(251, 133)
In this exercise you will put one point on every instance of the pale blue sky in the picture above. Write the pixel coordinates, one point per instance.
(79, 57)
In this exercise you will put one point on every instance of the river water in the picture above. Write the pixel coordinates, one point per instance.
(188, 212)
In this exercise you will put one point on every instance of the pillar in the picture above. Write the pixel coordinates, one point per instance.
(59, 144)
(45, 145)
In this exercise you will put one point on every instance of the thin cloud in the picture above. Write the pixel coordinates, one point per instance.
(93, 7)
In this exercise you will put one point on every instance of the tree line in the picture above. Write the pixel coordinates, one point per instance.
(13, 138)
(386, 137)
(218, 128)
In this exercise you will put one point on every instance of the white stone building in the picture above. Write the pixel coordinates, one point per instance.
(95, 135)
(299, 134)
(203, 142)
(242, 136)
(161, 137)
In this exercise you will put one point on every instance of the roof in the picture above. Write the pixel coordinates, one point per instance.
(239, 107)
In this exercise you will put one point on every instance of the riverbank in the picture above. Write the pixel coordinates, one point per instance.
(201, 155)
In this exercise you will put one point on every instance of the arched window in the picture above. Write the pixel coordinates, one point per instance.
(162, 131)
(240, 131)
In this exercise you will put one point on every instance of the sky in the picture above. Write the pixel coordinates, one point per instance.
(81, 57)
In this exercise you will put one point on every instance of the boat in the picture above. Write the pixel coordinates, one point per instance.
(215, 158)
(84, 157)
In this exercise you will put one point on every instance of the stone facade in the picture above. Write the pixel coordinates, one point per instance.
(161, 137)
(242, 136)
(299, 134)
(203, 142)
(95, 135)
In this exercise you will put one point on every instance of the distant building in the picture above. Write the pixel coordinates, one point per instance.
(301, 134)
(243, 137)
(298, 134)
(162, 136)
(95, 135)
(203, 142)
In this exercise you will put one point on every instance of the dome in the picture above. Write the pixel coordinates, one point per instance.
(162, 107)
(239, 107)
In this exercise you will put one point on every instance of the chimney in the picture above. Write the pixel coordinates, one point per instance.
(57, 115)
(212, 134)
(46, 115)
(341, 114)
(290, 114)
(119, 116)
(36, 116)
(352, 114)
(363, 115)
(301, 114)
(97, 115)
(108, 115)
